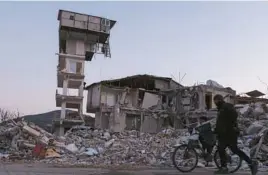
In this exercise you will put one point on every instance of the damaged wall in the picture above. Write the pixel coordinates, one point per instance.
(197, 101)
(201, 97)
(150, 124)
(160, 84)
(163, 84)
(150, 100)
(190, 99)
(93, 98)
(108, 96)
(101, 96)
(215, 91)
(102, 120)
(97, 120)
(132, 97)
(96, 96)
(129, 98)
(174, 85)
(133, 122)
(117, 119)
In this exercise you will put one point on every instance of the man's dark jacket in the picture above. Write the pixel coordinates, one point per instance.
(226, 125)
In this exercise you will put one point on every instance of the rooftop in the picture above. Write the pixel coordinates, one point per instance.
(255, 93)
(112, 22)
(144, 76)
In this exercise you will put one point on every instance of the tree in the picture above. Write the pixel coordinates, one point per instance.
(7, 114)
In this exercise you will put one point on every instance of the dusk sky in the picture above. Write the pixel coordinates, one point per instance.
(222, 41)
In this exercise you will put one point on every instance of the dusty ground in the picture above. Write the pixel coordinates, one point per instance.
(41, 169)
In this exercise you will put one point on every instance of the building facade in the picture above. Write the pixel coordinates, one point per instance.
(81, 36)
(148, 103)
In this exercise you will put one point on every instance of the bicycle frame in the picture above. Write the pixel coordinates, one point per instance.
(195, 144)
(194, 137)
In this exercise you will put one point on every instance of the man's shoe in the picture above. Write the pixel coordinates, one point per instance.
(254, 168)
(222, 171)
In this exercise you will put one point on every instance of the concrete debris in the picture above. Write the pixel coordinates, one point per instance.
(83, 145)
(253, 117)
(72, 148)
(254, 128)
(128, 147)
(90, 152)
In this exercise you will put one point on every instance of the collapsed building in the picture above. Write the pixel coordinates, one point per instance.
(133, 103)
(148, 103)
(197, 101)
(254, 96)
(81, 36)
(141, 103)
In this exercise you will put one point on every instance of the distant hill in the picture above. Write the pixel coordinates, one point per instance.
(44, 120)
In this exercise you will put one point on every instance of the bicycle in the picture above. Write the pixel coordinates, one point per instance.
(195, 148)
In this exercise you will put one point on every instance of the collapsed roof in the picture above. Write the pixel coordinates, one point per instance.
(135, 80)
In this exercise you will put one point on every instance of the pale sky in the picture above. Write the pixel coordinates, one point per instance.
(222, 41)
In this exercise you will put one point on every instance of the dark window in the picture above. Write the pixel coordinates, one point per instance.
(208, 100)
(71, 17)
(164, 99)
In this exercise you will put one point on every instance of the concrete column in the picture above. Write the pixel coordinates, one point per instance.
(101, 114)
(81, 108)
(81, 89)
(65, 87)
(62, 117)
(83, 68)
(63, 110)
(97, 119)
(61, 131)
(67, 64)
(80, 93)
(142, 121)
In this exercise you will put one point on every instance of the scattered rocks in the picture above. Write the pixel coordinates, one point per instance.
(83, 145)
(129, 147)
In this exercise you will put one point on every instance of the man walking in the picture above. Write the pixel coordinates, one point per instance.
(227, 132)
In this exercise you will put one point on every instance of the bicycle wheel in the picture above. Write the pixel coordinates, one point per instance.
(181, 163)
(234, 162)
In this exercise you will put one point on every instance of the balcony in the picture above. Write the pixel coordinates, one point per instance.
(71, 22)
(74, 80)
(72, 101)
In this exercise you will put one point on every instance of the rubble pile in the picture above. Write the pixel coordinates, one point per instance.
(18, 139)
(253, 121)
(252, 112)
(97, 147)
(83, 145)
